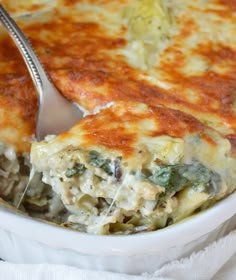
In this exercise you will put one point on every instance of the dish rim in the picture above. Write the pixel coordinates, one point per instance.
(178, 234)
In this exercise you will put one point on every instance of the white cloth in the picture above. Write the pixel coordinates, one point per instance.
(217, 261)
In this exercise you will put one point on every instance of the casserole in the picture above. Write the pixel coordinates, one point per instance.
(123, 59)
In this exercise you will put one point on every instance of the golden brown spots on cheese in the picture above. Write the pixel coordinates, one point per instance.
(120, 126)
(18, 107)
(215, 87)
(107, 130)
(18, 100)
(230, 3)
(24, 6)
(70, 2)
(114, 139)
(218, 54)
(86, 60)
(175, 123)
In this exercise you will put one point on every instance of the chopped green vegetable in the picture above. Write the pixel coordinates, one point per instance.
(169, 178)
(175, 177)
(201, 178)
(97, 160)
(77, 170)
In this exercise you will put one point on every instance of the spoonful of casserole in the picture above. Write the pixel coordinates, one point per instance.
(56, 114)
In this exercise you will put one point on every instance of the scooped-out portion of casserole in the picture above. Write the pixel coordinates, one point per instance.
(133, 167)
(39, 199)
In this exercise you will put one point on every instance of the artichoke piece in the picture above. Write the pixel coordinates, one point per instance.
(149, 24)
(150, 21)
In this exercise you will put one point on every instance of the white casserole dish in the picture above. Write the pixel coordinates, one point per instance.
(25, 240)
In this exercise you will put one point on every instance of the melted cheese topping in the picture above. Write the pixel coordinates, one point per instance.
(88, 49)
(125, 127)
(26, 7)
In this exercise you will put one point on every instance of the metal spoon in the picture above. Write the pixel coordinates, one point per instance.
(56, 114)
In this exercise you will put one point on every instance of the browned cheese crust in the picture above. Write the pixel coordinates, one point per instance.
(82, 48)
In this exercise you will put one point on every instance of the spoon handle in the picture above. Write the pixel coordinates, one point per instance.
(34, 65)
(56, 114)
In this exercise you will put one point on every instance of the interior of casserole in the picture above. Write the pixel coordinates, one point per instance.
(105, 196)
(98, 192)
(40, 200)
